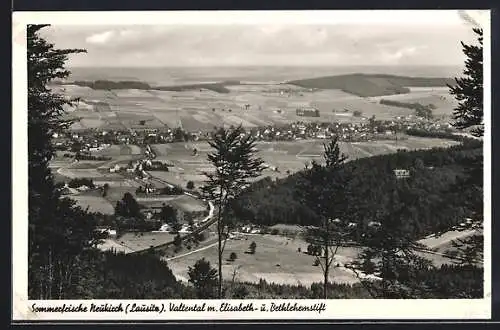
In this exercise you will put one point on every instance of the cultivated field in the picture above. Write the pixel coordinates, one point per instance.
(286, 156)
(142, 241)
(439, 96)
(98, 170)
(91, 173)
(94, 203)
(181, 202)
(202, 109)
(118, 150)
(188, 204)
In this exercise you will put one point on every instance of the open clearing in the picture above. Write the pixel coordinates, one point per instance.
(182, 202)
(118, 150)
(94, 203)
(294, 267)
(277, 260)
(188, 204)
(141, 241)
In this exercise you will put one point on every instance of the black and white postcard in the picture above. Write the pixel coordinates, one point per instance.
(251, 165)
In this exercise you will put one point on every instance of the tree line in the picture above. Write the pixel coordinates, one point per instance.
(421, 110)
(429, 189)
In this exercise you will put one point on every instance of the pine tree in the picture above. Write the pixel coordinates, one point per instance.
(469, 113)
(204, 279)
(235, 164)
(469, 89)
(322, 190)
(59, 232)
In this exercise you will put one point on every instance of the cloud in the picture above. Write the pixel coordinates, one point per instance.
(100, 38)
(292, 44)
(270, 29)
(400, 53)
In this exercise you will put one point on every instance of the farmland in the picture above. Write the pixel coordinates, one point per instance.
(142, 241)
(94, 204)
(250, 105)
(283, 155)
(280, 156)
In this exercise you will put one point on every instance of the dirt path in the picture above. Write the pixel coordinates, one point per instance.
(434, 242)
(191, 252)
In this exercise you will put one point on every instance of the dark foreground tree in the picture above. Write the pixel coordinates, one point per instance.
(389, 264)
(469, 89)
(204, 279)
(322, 190)
(235, 163)
(59, 232)
(468, 251)
(469, 114)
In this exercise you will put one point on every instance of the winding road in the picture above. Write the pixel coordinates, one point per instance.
(112, 244)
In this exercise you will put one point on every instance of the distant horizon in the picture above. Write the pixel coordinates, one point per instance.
(264, 65)
(177, 75)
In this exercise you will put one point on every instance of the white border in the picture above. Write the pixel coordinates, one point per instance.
(399, 17)
(336, 309)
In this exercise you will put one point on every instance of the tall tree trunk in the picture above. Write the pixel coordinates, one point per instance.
(219, 232)
(327, 260)
(61, 281)
(325, 284)
(327, 266)
(219, 246)
(51, 276)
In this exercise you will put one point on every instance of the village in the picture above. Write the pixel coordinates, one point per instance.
(90, 140)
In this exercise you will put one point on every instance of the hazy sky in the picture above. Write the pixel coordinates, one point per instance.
(413, 43)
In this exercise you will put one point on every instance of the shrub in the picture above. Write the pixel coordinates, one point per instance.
(252, 247)
(204, 279)
(310, 249)
(178, 240)
(233, 256)
(75, 183)
(240, 292)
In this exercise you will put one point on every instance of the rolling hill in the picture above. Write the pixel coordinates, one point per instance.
(367, 85)
(116, 85)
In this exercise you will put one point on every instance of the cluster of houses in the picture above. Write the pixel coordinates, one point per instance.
(307, 112)
(66, 190)
(110, 233)
(185, 228)
(95, 140)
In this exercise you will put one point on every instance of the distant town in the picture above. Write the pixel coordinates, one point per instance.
(91, 140)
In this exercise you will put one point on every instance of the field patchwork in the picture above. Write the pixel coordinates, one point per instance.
(249, 105)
